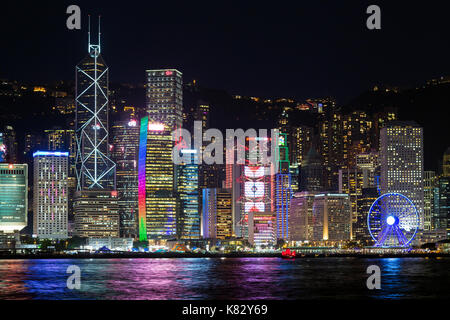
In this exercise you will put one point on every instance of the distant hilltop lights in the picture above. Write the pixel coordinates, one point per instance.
(50, 153)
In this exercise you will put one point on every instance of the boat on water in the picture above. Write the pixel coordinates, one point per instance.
(288, 254)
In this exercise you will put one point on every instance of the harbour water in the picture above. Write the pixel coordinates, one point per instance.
(225, 279)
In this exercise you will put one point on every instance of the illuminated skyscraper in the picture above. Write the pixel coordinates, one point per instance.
(165, 97)
(58, 139)
(332, 217)
(125, 150)
(369, 165)
(356, 136)
(33, 143)
(353, 179)
(331, 148)
(380, 120)
(94, 168)
(50, 195)
(187, 187)
(311, 172)
(442, 219)
(262, 228)
(283, 189)
(8, 147)
(429, 185)
(446, 163)
(2, 147)
(217, 220)
(63, 140)
(157, 198)
(96, 214)
(302, 137)
(301, 219)
(401, 158)
(13, 197)
(202, 113)
(364, 202)
(351, 183)
(253, 185)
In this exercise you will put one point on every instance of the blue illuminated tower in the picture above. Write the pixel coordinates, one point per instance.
(94, 168)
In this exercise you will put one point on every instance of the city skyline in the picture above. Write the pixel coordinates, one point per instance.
(225, 152)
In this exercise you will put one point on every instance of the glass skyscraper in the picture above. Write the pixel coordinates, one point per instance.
(187, 188)
(13, 197)
(217, 220)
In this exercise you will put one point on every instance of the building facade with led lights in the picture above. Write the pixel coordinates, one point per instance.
(253, 185)
(125, 150)
(50, 195)
(312, 172)
(262, 228)
(187, 187)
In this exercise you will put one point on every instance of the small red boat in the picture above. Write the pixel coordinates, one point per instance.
(288, 254)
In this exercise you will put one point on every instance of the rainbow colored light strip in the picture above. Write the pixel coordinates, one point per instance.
(142, 180)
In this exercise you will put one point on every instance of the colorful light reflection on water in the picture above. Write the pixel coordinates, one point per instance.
(229, 279)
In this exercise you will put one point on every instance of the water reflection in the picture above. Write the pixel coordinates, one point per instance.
(239, 278)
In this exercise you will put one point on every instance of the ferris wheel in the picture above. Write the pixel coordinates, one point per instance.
(393, 221)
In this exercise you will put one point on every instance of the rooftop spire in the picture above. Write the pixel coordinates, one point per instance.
(94, 49)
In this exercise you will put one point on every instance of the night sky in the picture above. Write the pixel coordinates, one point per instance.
(275, 49)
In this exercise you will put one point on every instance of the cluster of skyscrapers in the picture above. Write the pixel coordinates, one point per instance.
(119, 180)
